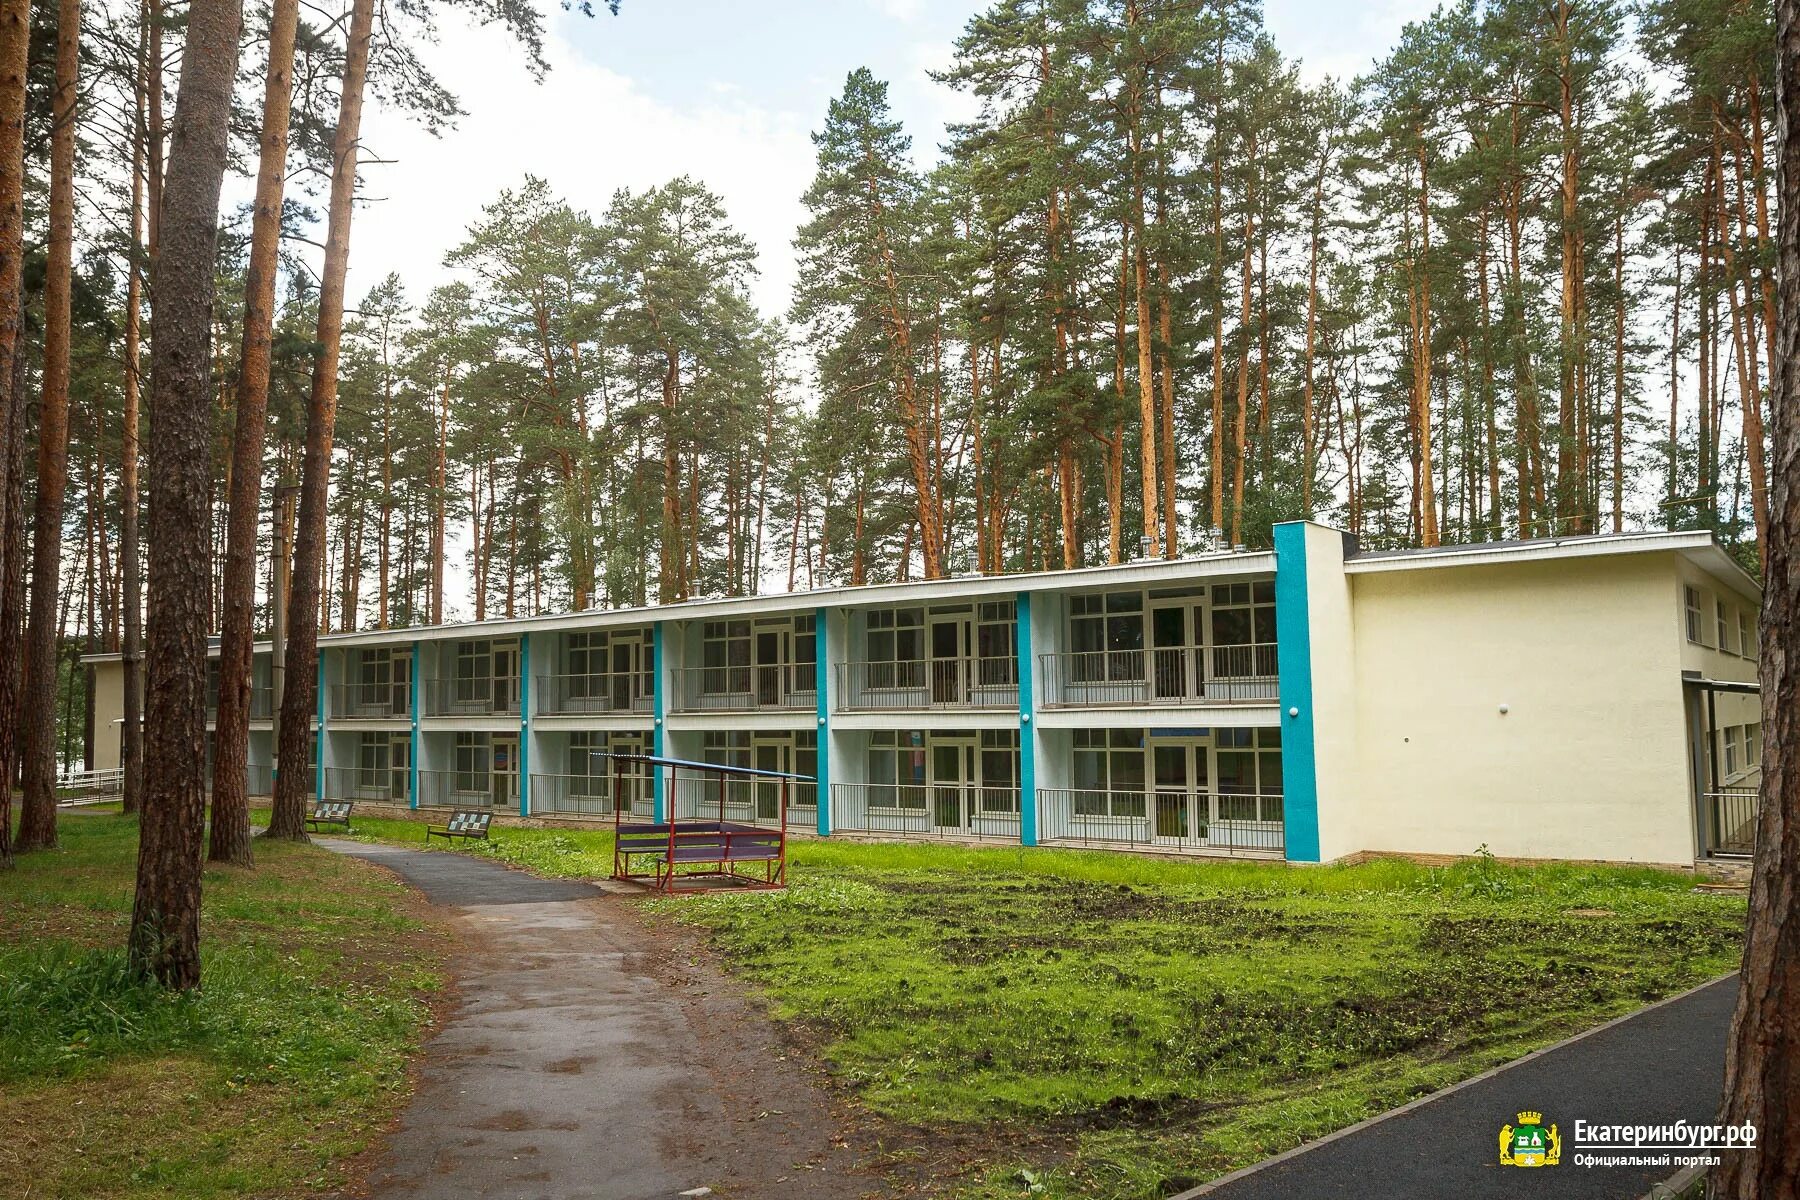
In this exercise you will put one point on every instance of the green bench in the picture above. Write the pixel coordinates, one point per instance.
(465, 823)
(330, 812)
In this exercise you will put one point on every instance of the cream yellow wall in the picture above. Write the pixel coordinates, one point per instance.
(1707, 659)
(1330, 626)
(109, 713)
(1590, 758)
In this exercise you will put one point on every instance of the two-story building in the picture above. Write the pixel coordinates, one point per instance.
(1583, 697)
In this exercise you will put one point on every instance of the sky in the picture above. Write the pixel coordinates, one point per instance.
(726, 91)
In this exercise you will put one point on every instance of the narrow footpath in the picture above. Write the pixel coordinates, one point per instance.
(1657, 1066)
(585, 1060)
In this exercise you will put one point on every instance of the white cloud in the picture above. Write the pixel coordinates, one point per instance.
(899, 10)
(587, 130)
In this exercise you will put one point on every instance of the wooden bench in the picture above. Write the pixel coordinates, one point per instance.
(465, 823)
(330, 812)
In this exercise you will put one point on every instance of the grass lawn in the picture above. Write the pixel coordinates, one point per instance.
(289, 1060)
(1103, 1025)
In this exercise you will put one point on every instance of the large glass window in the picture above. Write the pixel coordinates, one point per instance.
(584, 661)
(1109, 772)
(999, 771)
(896, 770)
(1724, 626)
(1243, 629)
(1691, 599)
(725, 657)
(1249, 774)
(473, 762)
(997, 643)
(1106, 633)
(895, 639)
(1746, 634)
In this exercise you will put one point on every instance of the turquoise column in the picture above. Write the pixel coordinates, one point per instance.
(418, 690)
(319, 741)
(822, 683)
(658, 708)
(1293, 637)
(524, 724)
(1028, 814)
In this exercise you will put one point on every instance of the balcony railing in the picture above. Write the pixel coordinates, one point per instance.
(384, 785)
(591, 795)
(369, 701)
(468, 789)
(749, 801)
(478, 696)
(745, 689)
(1161, 675)
(1730, 818)
(1173, 819)
(934, 683)
(259, 779)
(957, 810)
(605, 692)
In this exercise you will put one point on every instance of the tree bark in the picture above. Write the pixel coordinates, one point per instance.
(300, 693)
(165, 918)
(37, 813)
(131, 746)
(15, 44)
(230, 838)
(1761, 1085)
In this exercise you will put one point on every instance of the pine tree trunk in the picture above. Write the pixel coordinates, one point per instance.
(130, 552)
(165, 918)
(37, 813)
(1761, 1085)
(15, 44)
(230, 837)
(300, 692)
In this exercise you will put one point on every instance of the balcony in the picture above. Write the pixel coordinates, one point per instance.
(381, 785)
(369, 701)
(941, 683)
(1173, 819)
(262, 705)
(592, 795)
(473, 696)
(468, 789)
(605, 692)
(746, 801)
(785, 687)
(1163, 675)
(951, 810)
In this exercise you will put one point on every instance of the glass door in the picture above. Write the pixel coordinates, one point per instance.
(400, 768)
(506, 678)
(1171, 655)
(625, 652)
(1180, 801)
(950, 645)
(505, 776)
(768, 667)
(769, 756)
(952, 782)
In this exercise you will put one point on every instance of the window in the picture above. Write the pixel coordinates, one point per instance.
(1724, 626)
(1249, 774)
(1106, 634)
(997, 644)
(896, 643)
(999, 791)
(1752, 749)
(474, 672)
(472, 761)
(896, 770)
(383, 763)
(584, 660)
(725, 657)
(1692, 598)
(1243, 630)
(806, 647)
(1109, 772)
(1731, 749)
(1746, 633)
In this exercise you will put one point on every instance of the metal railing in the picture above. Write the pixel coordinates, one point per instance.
(1173, 818)
(481, 696)
(744, 689)
(262, 705)
(1161, 675)
(929, 683)
(602, 692)
(748, 801)
(1729, 816)
(468, 789)
(382, 785)
(73, 787)
(960, 810)
(259, 779)
(591, 795)
(368, 701)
